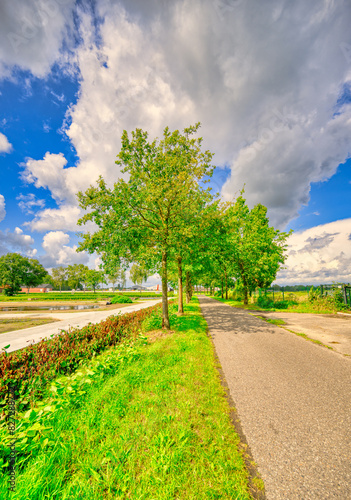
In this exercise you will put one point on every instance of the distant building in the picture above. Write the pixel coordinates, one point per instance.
(38, 289)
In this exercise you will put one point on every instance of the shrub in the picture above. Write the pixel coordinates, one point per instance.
(120, 299)
(31, 368)
(265, 302)
(281, 304)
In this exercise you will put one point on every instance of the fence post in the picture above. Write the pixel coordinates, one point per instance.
(344, 294)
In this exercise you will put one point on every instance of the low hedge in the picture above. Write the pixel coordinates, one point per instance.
(23, 297)
(31, 368)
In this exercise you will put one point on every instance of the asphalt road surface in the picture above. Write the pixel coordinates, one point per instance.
(293, 399)
(22, 338)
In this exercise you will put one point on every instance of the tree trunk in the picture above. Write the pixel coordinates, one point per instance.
(222, 286)
(180, 285)
(188, 287)
(165, 315)
(226, 285)
(246, 294)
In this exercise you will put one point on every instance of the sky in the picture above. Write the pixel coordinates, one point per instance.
(269, 81)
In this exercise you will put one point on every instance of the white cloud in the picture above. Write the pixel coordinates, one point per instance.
(28, 202)
(16, 242)
(59, 253)
(264, 79)
(63, 218)
(5, 146)
(321, 254)
(2, 208)
(32, 34)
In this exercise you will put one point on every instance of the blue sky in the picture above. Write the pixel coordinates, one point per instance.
(270, 86)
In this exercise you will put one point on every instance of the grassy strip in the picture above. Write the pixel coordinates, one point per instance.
(12, 324)
(157, 429)
(280, 322)
(301, 307)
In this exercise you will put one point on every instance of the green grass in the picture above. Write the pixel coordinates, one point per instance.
(277, 322)
(157, 429)
(300, 307)
(280, 322)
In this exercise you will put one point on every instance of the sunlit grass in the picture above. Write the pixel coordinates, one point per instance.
(158, 429)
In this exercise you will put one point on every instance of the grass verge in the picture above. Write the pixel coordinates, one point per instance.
(300, 307)
(12, 324)
(157, 428)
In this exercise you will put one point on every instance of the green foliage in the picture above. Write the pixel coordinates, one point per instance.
(121, 299)
(30, 369)
(34, 432)
(16, 270)
(143, 219)
(265, 302)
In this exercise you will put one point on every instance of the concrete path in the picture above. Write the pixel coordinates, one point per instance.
(22, 338)
(293, 399)
(333, 330)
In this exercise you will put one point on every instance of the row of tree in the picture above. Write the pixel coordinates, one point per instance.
(17, 271)
(164, 219)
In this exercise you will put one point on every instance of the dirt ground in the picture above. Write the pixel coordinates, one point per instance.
(333, 330)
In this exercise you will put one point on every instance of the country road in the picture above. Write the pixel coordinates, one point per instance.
(22, 338)
(293, 399)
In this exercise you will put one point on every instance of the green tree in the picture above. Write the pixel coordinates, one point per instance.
(138, 274)
(76, 275)
(59, 276)
(140, 219)
(258, 249)
(34, 273)
(114, 276)
(16, 270)
(93, 278)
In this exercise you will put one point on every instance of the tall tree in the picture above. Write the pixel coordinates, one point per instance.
(258, 249)
(59, 276)
(34, 273)
(140, 218)
(138, 274)
(16, 270)
(76, 275)
(93, 278)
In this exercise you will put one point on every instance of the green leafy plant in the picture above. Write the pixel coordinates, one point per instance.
(120, 299)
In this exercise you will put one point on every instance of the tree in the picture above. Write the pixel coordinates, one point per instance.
(93, 278)
(76, 275)
(138, 274)
(140, 219)
(114, 277)
(34, 273)
(258, 250)
(59, 276)
(16, 270)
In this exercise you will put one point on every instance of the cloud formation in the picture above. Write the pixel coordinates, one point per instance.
(59, 253)
(16, 242)
(2, 208)
(5, 146)
(269, 82)
(318, 255)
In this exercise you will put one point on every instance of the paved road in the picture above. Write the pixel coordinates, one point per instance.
(293, 399)
(22, 338)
